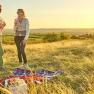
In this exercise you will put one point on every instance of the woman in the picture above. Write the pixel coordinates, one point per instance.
(21, 28)
(2, 25)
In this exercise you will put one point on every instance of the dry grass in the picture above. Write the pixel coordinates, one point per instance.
(75, 57)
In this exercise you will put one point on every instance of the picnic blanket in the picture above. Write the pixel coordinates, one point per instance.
(49, 74)
(18, 82)
(42, 72)
(22, 72)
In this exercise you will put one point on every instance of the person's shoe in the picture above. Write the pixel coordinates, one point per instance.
(26, 66)
(21, 66)
(2, 68)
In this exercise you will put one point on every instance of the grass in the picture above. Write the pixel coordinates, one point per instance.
(75, 57)
(46, 36)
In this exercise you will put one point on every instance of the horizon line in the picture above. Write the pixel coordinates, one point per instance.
(56, 28)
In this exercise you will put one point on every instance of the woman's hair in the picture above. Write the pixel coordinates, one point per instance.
(20, 11)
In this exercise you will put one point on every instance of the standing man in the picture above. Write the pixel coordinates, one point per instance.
(2, 25)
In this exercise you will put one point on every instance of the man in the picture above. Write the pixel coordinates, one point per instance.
(2, 25)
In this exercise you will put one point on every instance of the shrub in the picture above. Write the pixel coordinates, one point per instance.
(65, 36)
(50, 37)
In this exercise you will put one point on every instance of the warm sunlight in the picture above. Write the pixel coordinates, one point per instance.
(52, 13)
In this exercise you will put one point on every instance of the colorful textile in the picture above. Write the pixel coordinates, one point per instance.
(22, 72)
(49, 74)
(26, 75)
(22, 28)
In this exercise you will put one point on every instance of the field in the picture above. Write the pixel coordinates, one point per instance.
(74, 55)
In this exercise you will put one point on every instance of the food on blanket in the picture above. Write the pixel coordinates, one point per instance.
(17, 85)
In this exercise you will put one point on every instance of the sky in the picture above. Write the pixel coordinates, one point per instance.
(51, 13)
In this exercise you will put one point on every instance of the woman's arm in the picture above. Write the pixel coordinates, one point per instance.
(14, 28)
(27, 29)
(2, 24)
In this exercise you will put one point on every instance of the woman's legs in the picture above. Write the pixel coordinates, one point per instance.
(1, 61)
(17, 41)
(1, 55)
(23, 52)
(21, 48)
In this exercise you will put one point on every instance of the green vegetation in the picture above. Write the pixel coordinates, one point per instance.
(41, 37)
(72, 53)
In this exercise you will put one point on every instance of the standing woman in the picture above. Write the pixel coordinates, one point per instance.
(2, 25)
(21, 28)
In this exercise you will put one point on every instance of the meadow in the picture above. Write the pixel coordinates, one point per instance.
(73, 53)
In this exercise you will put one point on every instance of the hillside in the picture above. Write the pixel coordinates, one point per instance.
(75, 57)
